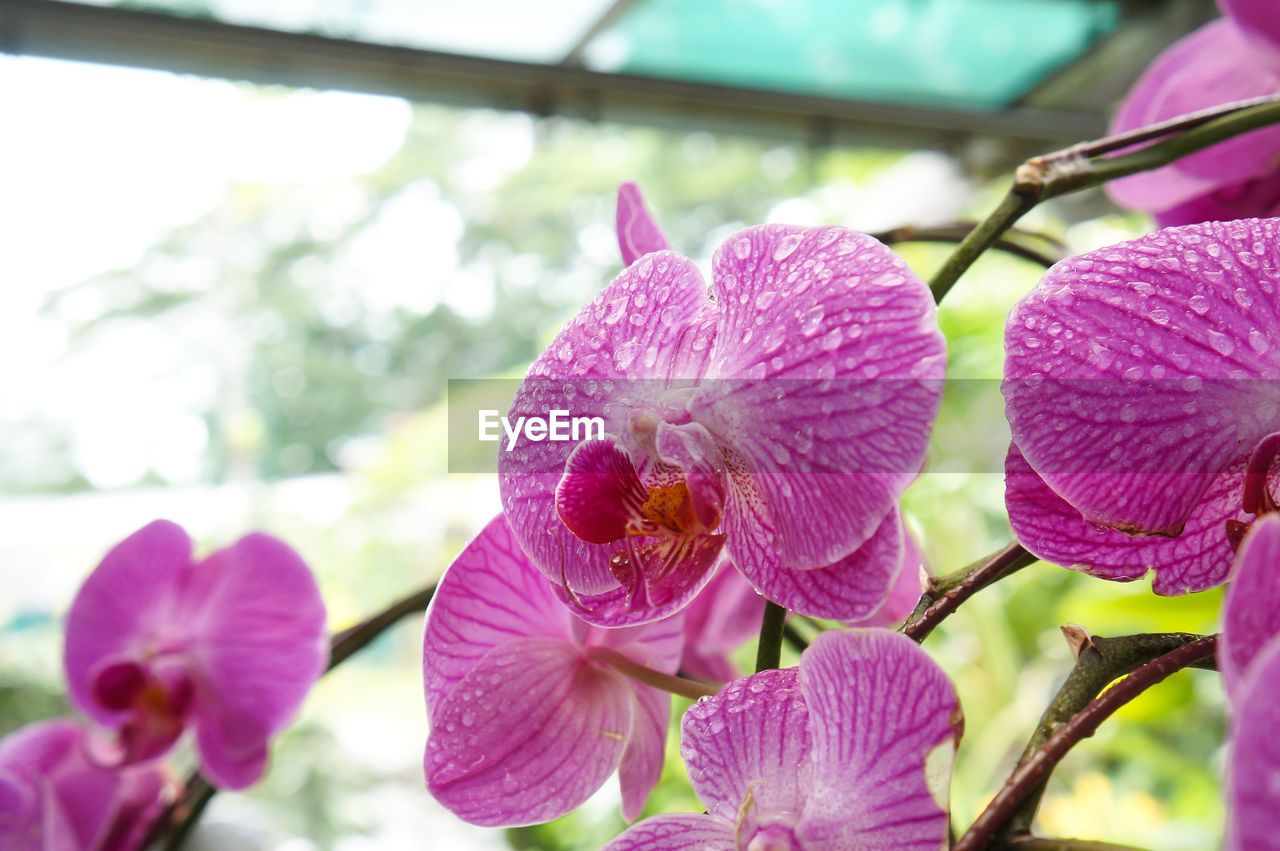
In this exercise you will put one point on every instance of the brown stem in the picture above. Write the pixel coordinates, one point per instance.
(691, 689)
(945, 594)
(1032, 772)
(956, 232)
(1037, 843)
(176, 822)
(1099, 661)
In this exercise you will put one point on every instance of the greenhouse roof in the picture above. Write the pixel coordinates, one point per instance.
(884, 71)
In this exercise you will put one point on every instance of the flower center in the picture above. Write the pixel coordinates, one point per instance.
(156, 698)
(670, 508)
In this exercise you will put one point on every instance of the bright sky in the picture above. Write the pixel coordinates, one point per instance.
(100, 162)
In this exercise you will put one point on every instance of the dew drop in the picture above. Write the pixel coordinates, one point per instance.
(1222, 344)
(617, 307)
(742, 248)
(625, 355)
(786, 246)
(811, 320)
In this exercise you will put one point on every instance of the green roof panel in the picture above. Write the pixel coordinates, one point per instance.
(966, 53)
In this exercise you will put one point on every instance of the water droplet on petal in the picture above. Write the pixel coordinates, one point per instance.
(786, 246)
(625, 355)
(1221, 343)
(811, 320)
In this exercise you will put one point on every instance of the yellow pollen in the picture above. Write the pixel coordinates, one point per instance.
(670, 506)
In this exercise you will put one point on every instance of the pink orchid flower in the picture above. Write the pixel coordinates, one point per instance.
(1249, 658)
(53, 798)
(528, 714)
(230, 645)
(776, 421)
(1139, 386)
(1230, 59)
(852, 749)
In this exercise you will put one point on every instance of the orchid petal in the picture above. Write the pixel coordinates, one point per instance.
(53, 797)
(641, 764)
(261, 642)
(1253, 756)
(19, 813)
(535, 745)
(907, 588)
(749, 741)
(717, 622)
(884, 719)
(490, 595)
(666, 576)
(1129, 371)
(833, 334)
(638, 234)
(1251, 609)
(1213, 65)
(600, 493)
(650, 322)
(1050, 529)
(123, 603)
(854, 587)
(1259, 197)
(1258, 20)
(677, 832)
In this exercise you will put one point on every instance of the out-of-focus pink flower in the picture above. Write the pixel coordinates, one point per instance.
(229, 645)
(1249, 658)
(852, 749)
(1139, 381)
(528, 716)
(1227, 60)
(52, 798)
(638, 233)
(778, 422)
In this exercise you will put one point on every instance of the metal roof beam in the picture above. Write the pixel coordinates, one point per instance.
(210, 48)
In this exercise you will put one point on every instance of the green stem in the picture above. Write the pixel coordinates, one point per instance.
(769, 648)
(1013, 206)
(1083, 166)
(691, 689)
(945, 593)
